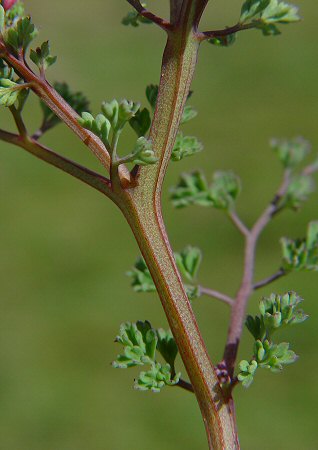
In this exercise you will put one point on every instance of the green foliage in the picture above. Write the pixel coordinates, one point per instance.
(143, 153)
(134, 19)
(300, 187)
(188, 114)
(42, 56)
(98, 125)
(9, 92)
(76, 100)
(152, 94)
(193, 189)
(276, 312)
(188, 262)
(247, 372)
(141, 280)
(166, 346)
(119, 113)
(224, 190)
(185, 146)
(141, 122)
(301, 254)
(141, 343)
(291, 152)
(223, 41)
(20, 34)
(267, 14)
(6, 71)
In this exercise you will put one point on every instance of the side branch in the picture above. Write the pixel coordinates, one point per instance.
(216, 294)
(88, 176)
(162, 23)
(203, 36)
(270, 279)
(58, 105)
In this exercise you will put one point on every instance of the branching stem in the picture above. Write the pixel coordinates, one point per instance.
(216, 294)
(238, 311)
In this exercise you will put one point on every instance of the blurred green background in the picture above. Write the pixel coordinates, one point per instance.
(65, 249)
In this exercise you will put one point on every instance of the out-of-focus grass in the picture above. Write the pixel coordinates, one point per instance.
(65, 249)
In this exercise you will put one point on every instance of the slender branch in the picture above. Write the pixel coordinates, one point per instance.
(238, 223)
(270, 279)
(238, 311)
(18, 121)
(59, 106)
(225, 32)
(88, 176)
(185, 385)
(162, 23)
(216, 294)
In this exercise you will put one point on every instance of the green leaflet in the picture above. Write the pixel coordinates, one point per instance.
(134, 19)
(141, 343)
(301, 254)
(185, 146)
(188, 262)
(276, 312)
(143, 153)
(193, 189)
(20, 34)
(291, 152)
(42, 56)
(9, 92)
(265, 15)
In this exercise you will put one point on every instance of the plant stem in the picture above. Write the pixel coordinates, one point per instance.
(88, 176)
(142, 209)
(216, 294)
(238, 311)
(266, 281)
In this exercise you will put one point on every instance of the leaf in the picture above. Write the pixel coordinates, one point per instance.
(247, 372)
(42, 56)
(140, 343)
(291, 152)
(224, 190)
(134, 19)
(274, 356)
(192, 189)
(188, 262)
(20, 34)
(185, 146)
(141, 122)
(188, 114)
(252, 8)
(300, 187)
(2, 18)
(141, 278)
(223, 41)
(143, 153)
(156, 378)
(99, 125)
(167, 346)
(301, 254)
(266, 14)
(152, 94)
(9, 92)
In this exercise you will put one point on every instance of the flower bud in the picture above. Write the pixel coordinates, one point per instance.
(7, 4)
